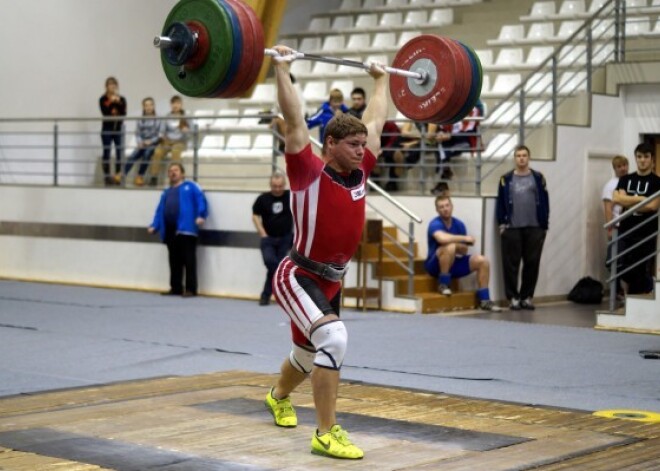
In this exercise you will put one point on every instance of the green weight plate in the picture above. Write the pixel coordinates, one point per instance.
(209, 75)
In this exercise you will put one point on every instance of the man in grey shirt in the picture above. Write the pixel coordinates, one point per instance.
(523, 211)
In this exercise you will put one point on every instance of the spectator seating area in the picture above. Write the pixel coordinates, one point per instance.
(512, 38)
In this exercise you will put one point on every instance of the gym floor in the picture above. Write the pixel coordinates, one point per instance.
(106, 379)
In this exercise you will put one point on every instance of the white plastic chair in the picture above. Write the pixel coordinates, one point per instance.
(537, 112)
(420, 2)
(406, 36)
(321, 69)
(372, 4)
(567, 28)
(390, 19)
(539, 32)
(366, 21)
(310, 44)
(539, 83)
(263, 141)
(501, 145)
(238, 142)
(441, 16)
(637, 26)
(573, 54)
(342, 22)
(224, 121)
(396, 3)
(505, 115)
(538, 54)
(485, 56)
(542, 10)
(334, 43)
(511, 33)
(504, 83)
(415, 19)
(319, 23)
(595, 5)
(603, 28)
(264, 92)
(315, 90)
(509, 57)
(603, 53)
(203, 122)
(358, 42)
(570, 8)
(249, 119)
(345, 70)
(384, 41)
(346, 86)
(213, 145)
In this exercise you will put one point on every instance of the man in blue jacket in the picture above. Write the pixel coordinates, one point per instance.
(523, 212)
(327, 111)
(180, 213)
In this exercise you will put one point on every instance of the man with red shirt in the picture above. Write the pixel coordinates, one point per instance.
(328, 206)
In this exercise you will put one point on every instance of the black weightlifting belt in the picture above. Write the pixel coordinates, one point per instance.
(326, 271)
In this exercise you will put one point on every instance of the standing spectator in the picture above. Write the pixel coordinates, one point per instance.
(523, 213)
(328, 110)
(632, 189)
(271, 215)
(448, 256)
(173, 138)
(112, 104)
(146, 133)
(180, 213)
(358, 102)
(611, 210)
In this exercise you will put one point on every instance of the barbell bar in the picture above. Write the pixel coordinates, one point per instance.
(214, 48)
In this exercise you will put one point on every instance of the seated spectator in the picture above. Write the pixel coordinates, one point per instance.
(146, 133)
(448, 256)
(173, 138)
(327, 111)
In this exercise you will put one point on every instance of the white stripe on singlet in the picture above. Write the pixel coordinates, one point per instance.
(296, 302)
(312, 207)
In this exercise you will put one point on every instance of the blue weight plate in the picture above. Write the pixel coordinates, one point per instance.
(237, 51)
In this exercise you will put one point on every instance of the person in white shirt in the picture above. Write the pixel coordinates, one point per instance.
(610, 209)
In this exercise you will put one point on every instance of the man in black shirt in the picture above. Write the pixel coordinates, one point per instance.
(271, 215)
(632, 189)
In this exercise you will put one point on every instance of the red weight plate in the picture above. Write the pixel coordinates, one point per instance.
(203, 45)
(259, 46)
(422, 102)
(463, 83)
(245, 66)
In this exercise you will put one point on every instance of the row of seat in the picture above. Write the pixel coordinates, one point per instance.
(359, 43)
(544, 32)
(515, 58)
(571, 9)
(385, 5)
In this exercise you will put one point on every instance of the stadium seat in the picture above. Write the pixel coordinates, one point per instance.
(567, 28)
(203, 122)
(571, 8)
(227, 117)
(342, 22)
(537, 112)
(249, 118)
(501, 145)
(572, 54)
(396, 3)
(509, 57)
(540, 32)
(506, 115)
(332, 43)
(603, 28)
(301, 68)
(358, 42)
(509, 34)
(415, 18)
(319, 23)
(344, 70)
(384, 41)
(264, 92)
(350, 4)
(310, 44)
(538, 54)
(391, 19)
(238, 142)
(603, 53)
(485, 56)
(571, 82)
(539, 83)
(366, 21)
(505, 83)
(213, 145)
(441, 16)
(637, 26)
(368, 4)
(320, 69)
(406, 36)
(315, 90)
(541, 11)
(344, 85)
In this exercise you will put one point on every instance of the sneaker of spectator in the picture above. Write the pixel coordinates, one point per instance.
(515, 304)
(444, 290)
(488, 305)
(527, 304)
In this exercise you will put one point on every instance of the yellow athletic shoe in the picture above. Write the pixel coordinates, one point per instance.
(282, 410)
(335, 444)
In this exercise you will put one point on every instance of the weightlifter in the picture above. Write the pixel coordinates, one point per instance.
(328, 205)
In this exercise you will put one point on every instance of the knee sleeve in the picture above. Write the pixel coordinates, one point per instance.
(330, 341)
(301, 359)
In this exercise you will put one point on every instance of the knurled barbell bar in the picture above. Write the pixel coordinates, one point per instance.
(215, 48)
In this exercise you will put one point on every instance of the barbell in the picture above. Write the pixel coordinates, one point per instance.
(215, 49)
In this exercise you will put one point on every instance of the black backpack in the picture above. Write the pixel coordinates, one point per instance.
(587, 291)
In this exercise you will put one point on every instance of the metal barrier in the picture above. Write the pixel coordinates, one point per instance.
(615, 242)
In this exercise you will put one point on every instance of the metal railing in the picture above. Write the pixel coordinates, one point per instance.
(616, 257)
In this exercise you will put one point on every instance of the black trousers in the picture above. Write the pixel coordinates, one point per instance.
(521, 245)
(182, 250)
(273, 250)
(639, 278)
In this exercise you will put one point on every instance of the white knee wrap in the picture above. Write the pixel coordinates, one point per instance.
(301, 359)
(330, 341)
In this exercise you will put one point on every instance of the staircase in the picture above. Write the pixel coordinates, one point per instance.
(425, 287)
(641, 314)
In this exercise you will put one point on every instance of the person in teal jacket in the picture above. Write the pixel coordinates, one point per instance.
(181, 211)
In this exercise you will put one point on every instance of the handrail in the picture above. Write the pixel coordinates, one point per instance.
(628, 212)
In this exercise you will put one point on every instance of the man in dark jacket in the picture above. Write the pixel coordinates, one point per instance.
(523, 212)
(180, 213)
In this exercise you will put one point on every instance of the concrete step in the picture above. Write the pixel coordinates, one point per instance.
(371, 250)
(390, 268)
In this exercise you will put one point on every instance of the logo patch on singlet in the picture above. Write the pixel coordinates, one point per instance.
(358, 193)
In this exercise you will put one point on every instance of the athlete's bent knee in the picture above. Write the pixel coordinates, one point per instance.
(330, 340)
(302, 359)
